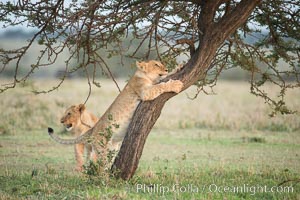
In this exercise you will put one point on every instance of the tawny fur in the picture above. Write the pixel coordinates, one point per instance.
(143, 86)
(77, 120)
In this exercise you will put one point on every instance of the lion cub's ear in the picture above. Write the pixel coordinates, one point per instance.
(141, 65)
(81, 107)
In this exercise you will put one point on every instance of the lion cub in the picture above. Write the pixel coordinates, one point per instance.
(77, 120)
(144, 85)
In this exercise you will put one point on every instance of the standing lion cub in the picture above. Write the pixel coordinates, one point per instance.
(143, 86)
(77, 120)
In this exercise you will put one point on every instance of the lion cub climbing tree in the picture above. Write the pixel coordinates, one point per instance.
(210, 36)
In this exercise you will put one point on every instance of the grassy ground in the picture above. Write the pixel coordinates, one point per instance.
(216, 147)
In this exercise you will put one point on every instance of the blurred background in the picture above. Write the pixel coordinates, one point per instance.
(121, 67)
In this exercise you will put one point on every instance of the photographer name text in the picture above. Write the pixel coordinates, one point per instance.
(211, 188)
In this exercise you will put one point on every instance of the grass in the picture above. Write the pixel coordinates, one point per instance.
(225, 141)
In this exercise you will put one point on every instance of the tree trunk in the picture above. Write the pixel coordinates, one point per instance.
(146, 114)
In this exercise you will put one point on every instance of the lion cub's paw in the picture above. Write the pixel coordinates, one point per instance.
(179, 67)
(176, 85)
(79, 169)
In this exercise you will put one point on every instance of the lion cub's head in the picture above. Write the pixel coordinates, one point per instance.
(71, 118)
(153, 69)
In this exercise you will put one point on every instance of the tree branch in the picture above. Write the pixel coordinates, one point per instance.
(147, 113)
(231, 20)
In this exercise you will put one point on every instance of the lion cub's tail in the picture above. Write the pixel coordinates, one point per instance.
(80, 139)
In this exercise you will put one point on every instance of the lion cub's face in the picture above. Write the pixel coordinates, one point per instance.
(153, 69)
(72, 115)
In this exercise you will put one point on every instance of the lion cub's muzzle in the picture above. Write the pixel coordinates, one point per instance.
(165, 73)
(68, 127)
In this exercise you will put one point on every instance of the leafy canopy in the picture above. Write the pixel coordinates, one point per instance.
(266, 46)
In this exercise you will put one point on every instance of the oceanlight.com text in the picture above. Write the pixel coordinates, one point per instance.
(211, 188)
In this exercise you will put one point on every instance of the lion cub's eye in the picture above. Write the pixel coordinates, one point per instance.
(69, 114)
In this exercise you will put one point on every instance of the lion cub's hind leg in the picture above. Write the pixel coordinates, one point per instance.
(79, 151)
(91, 154)
(100, 151)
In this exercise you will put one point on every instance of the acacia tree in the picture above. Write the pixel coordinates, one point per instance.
(212, 35)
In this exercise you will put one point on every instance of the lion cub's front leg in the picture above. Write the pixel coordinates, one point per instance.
(151, 92)
(79, 150)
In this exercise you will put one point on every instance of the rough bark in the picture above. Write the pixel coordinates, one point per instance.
(214, 34)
